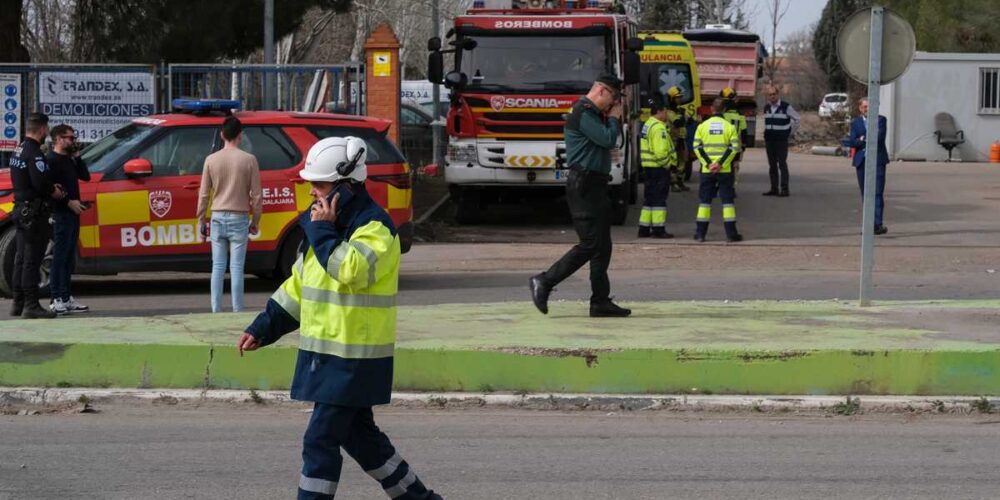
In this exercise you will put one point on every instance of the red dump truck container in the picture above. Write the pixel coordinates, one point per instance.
(729, 58)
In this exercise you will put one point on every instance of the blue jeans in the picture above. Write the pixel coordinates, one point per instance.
(229, 234)
(879, 190)
(65, 233)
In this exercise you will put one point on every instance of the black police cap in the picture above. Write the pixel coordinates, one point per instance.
(611, 81)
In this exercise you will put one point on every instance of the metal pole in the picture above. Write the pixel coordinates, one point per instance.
(871, 158)
(268, 53)
(436, 93)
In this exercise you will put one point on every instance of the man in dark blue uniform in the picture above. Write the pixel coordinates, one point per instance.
(34, 192)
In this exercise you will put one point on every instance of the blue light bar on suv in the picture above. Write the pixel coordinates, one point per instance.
(205, 104)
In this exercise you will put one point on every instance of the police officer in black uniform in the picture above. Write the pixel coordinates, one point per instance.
(34, 192)
(592, 129)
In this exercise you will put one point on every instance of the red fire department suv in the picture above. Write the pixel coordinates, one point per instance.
(144, 190)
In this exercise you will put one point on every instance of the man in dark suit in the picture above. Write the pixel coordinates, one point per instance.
(859, 133)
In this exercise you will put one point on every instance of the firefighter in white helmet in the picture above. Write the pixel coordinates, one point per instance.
(341, 296)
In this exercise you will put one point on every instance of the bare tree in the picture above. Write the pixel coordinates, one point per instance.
(776, 10)
(411, 21)
(735, 12)
(799, 65)
(47, 29)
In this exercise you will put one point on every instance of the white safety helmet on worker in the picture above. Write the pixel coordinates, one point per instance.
(336, 158)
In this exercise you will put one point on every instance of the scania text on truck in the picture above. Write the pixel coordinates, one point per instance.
(518, 68)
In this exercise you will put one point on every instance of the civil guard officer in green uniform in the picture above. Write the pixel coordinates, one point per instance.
(716, 144)
(592, 129)
(656, 149)
(341, 296)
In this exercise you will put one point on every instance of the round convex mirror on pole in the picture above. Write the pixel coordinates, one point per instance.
(875, 46)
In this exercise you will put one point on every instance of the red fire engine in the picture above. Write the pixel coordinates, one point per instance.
(518, 68)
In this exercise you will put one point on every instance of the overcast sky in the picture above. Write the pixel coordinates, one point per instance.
(801, 13)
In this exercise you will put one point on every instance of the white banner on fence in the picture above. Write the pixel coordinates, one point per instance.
(95, 103)
(10, 93)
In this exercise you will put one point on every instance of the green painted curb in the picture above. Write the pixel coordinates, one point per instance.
(817, 348)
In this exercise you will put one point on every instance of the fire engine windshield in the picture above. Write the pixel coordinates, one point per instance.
(536, 63)
(109, 152)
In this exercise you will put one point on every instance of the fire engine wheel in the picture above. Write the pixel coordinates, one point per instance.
(7, 262)
(469, 209)
(7, 251)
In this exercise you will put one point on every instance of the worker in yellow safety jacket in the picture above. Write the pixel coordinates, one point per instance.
(659, 158)
(678, 120)
(341, 297)
(716, 145)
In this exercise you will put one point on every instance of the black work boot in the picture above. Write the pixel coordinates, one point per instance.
(17, 305)
(701, 229)
(34, 310)
(643, 232)
(661, 233)
(608, 309)
(732, 235)
(540, 292)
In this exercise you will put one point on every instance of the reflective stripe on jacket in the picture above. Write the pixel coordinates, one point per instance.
(716, 141)
(341, 295)
(777, 122)
(656, 147)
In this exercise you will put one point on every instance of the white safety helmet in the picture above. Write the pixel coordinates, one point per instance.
(336, 158)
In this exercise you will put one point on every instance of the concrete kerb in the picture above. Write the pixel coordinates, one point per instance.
(542, 402)
(702, 348)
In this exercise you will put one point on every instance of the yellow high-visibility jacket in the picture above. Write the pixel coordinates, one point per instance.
(341, 296)
(716, 141)
(656, 147)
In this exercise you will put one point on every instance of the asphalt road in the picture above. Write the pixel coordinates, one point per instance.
(943, 242)
(252, 452)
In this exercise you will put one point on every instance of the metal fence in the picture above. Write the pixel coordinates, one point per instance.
(302, 87)
(31, 75)
(296, 87)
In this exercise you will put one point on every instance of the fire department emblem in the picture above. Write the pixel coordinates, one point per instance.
(497, 102)
(160, 202)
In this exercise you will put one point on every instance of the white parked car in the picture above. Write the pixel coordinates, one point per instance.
(833, 104)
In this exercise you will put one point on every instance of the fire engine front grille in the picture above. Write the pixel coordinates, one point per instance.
(523, 129)
(525, 117)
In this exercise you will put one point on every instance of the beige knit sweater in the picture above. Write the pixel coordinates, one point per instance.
(231, 180)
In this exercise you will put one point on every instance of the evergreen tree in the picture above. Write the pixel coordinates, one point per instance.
(953, 26)
(665, 15)
(11, 49)
(148, 31)
(825, 39)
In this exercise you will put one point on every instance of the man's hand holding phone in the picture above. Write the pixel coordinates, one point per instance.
(616, 110)
(325, 209)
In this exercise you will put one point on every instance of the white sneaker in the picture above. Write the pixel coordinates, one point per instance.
(59, 307)
(73, 306)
